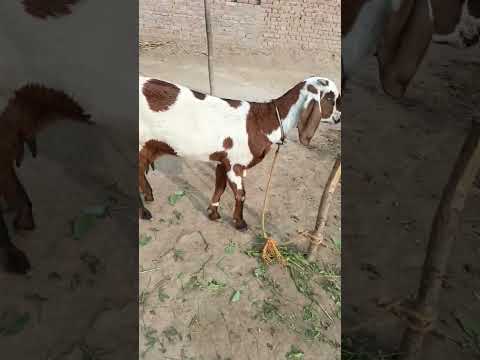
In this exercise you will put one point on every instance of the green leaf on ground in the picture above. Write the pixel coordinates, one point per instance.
(215, 285)
(144, 239)
(162, 296)
(177, 195)
(235, 297)
(295, 354)
(82, 224)
(12, 323)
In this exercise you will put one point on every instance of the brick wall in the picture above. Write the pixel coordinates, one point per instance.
(244, 26)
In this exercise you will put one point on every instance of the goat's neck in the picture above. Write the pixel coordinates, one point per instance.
(290, 106)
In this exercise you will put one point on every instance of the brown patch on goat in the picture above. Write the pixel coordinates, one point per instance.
(312, 89)
(45, 8)
(233, 103)
(199, 95)
(159, 94)
(327, 104)
(261, 120)
(286, 101)
(227, 143)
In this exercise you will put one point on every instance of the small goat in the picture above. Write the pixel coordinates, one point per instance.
(174, 120)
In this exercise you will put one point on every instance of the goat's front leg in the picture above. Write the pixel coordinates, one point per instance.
(143, 183)
(17, 261)
(18, 198)
(236, 184)
(220, 185)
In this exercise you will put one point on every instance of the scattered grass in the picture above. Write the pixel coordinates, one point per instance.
(13, 322)
(364, 348)
(178, 255)
(295, 354)
(144, 239)
(471, 333)
(215, 285)
(230, 248)
(172, 334)
(151, 340)
(162, 296)
(306, 275)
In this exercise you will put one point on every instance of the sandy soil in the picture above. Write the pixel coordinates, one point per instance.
(194, 270)
(399, 178)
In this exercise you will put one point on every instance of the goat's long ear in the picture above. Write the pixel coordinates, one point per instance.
(309, 121)
(405, 41)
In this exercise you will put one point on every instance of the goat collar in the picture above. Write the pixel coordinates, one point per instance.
(282, 138)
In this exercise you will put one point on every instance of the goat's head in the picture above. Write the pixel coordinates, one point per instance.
(322, 105)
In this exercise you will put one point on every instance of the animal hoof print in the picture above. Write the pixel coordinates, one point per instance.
(17, 262)
(145, 214)
(240, 225)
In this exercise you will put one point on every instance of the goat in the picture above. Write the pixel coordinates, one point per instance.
(31, 109)
(175, 120)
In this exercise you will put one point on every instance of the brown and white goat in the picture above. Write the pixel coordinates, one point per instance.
(175, 120)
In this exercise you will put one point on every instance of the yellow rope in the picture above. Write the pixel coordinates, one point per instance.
(270, 250)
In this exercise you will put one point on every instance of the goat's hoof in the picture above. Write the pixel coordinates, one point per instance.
(148, 197)
(144, 214)
(17, 261)
(24, 220)
(213, 214)
(240, 225)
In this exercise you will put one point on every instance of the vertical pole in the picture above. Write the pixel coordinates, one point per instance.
(208, 28)
(317, 233)
(445, 231)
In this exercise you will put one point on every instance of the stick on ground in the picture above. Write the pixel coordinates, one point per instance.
(317, 233)
(445, 231)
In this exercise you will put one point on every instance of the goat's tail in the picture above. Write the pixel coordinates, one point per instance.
(34, 107)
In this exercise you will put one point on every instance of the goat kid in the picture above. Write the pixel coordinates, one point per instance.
(31, 109)
(236, 134)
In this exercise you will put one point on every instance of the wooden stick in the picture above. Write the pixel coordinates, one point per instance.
(444, 232)
(208, 28)
(317, 233)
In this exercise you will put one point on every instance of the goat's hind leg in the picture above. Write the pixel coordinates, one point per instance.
(17, 261)
(220, 185)
(143, 212)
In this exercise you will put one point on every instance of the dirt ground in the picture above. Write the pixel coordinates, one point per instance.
(399, 178)
(201, 295)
